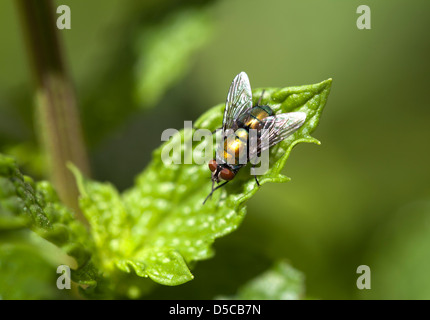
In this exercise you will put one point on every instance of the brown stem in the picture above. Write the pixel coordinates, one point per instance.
(57, 116)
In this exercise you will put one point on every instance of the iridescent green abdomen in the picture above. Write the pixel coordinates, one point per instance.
(253, 118)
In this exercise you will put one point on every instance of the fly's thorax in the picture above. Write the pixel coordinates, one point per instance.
(236, 147)
(242, 135)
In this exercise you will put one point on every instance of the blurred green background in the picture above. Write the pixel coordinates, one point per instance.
(361, 198)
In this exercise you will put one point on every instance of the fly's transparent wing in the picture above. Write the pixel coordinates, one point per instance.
(239, 99)
(275, 129)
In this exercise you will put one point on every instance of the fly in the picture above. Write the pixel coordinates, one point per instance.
(239, 118)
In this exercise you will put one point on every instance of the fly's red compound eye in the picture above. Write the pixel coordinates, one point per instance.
(212, 165)
(226, 174)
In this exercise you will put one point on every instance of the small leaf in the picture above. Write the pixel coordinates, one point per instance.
(281, 282)
(165, 267)
(165, 52)
(159, 227)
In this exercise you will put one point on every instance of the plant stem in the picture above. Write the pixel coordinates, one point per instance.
(57, 116)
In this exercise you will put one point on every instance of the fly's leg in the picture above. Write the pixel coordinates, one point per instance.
(255, 176)
(261, 97)
(210, 194)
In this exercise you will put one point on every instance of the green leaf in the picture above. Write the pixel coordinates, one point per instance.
(145, 57)
(25, 204)
(165, 52)
(26, 274)
(281, 282)
(29, 157)
(159, 227)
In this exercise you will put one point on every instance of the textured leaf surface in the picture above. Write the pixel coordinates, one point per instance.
(25, 204)
(281, 282)
(159, 227)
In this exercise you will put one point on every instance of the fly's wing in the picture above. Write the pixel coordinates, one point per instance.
(239, 99)
(275, 129)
